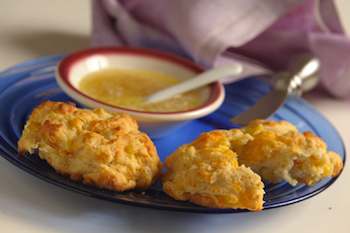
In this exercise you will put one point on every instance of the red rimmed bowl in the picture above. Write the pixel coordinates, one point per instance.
(72, 69)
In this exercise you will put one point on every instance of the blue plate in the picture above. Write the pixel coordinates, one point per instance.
(24, 86)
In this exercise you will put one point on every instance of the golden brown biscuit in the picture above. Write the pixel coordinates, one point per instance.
(213, 170)
(99, 148)
(206, 172)
(277, 152)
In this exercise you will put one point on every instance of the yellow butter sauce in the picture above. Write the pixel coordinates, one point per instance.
(128, 89)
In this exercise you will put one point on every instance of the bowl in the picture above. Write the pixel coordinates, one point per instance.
(73, 68)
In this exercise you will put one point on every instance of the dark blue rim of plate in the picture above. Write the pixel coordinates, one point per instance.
(5, 151)
(191, 208)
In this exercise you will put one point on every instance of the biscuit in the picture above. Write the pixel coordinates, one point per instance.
(278, 152)
(99, 148)
(206, 172)
(222, 168)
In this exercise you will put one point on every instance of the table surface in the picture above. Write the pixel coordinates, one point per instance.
(30, 29)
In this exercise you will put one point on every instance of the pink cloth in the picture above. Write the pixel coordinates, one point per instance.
(270, 31)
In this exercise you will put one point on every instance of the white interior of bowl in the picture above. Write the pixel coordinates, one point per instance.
(126, 61)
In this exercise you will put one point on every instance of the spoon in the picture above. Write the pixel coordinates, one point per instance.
(200, 80)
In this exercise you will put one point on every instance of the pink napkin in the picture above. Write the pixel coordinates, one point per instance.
(271, 32)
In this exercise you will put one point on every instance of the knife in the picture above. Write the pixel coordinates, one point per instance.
(302, 76)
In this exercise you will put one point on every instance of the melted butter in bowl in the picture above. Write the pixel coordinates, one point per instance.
(119, 78)
(128, 88)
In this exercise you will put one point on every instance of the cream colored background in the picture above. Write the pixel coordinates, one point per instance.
(34, 28)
